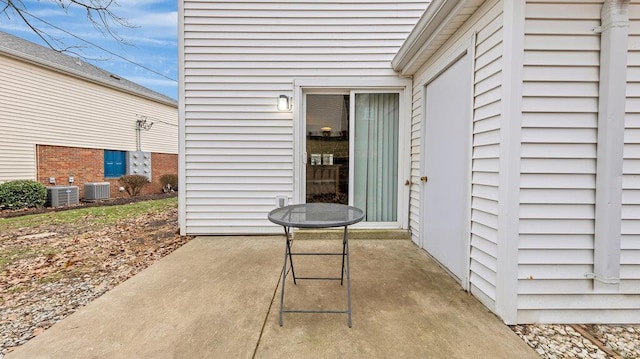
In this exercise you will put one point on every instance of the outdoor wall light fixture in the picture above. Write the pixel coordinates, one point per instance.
(284, 103)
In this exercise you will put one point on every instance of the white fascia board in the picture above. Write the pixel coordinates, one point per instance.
(434, 20)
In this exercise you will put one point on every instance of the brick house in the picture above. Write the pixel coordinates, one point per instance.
(66, 121)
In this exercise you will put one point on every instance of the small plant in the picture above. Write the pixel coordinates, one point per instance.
(22, 194)
(169, 182)
(133, 184)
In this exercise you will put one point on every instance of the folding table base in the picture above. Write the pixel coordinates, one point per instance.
(288, 257)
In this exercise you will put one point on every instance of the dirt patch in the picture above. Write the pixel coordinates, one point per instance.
(49, 271)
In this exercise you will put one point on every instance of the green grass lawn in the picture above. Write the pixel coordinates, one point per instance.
(103, 215)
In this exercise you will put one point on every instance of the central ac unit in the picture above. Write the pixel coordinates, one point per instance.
(62, 196)
(97, 190)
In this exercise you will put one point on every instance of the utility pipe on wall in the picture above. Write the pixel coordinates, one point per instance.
(611, 112)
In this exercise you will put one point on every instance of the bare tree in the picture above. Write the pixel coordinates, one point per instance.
(99, 13)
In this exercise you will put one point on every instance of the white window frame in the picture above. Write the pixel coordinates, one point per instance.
(349, 86)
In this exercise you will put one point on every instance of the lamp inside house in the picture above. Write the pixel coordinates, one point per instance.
(283, 103)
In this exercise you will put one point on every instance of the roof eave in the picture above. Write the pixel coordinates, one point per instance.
(431, 24)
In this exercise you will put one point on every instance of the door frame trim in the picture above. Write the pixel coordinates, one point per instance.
(322, 85)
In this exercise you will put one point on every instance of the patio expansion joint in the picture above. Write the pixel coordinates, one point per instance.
(266, 318)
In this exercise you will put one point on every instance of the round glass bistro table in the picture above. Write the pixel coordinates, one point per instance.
(316, 215)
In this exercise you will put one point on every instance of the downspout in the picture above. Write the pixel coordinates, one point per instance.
(611, 112)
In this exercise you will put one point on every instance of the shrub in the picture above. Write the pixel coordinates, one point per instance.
(133, 184)
(22, 194)
(169, 182)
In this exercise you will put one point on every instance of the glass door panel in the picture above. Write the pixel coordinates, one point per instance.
(327, 147)
(375, 155)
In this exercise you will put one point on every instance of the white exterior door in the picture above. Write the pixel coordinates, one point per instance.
(446, 166)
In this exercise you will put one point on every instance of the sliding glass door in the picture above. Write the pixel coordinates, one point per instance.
(352, 150)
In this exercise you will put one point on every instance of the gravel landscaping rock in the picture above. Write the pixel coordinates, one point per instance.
(565, 341)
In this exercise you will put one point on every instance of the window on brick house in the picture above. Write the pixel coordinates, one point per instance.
(115, 163)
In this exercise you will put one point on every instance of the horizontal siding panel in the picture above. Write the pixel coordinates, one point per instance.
(631, 181)
(489, 192)
(559, 104)
(630, 256)
(486, 138)
(630, 196)
(559, 135)
(237, 166)
(485, 205)
(557, 211)
(488, 98)
(558, 165)
(579, 301)
(485, 178)
(559, 120)
(561, 74)
(556, 226)
(488, 275)
(486, 219)
(630, 227)
(256, 51)
(555, 257)
(486, 245)
(565, 271)
(630, 272)
(631, 211)
(486, 124)
(556, 241)
(562, 42)
(486, 165)
(484, 258)
(487, 233)
(559, 196)
(483, 85)
(246, 187)
(476, 280)
(562, 11)
(557, 181)
(365, 58)
(561, 89)
(486, 151)
(537, 287)
(554, 148)
(552, 26)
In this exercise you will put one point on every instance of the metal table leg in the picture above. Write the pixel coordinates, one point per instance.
(287, 255)
(345, 253)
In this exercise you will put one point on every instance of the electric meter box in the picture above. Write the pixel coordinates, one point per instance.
(139, 163)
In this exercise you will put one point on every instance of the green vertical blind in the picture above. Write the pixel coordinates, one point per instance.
(376, 155)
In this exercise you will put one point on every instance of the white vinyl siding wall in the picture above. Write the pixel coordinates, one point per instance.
(485, 157)
(630, 241)
(238, 57)
(559, 129)
(558, 169)
(42, 106)
(486, 23)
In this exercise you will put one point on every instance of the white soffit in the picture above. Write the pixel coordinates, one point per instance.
(441, 20)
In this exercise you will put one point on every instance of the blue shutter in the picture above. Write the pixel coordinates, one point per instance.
(115, 163)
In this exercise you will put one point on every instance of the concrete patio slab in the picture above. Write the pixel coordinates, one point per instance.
(218, 297)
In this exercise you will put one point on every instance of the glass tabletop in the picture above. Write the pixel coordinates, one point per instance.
(316, 215)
